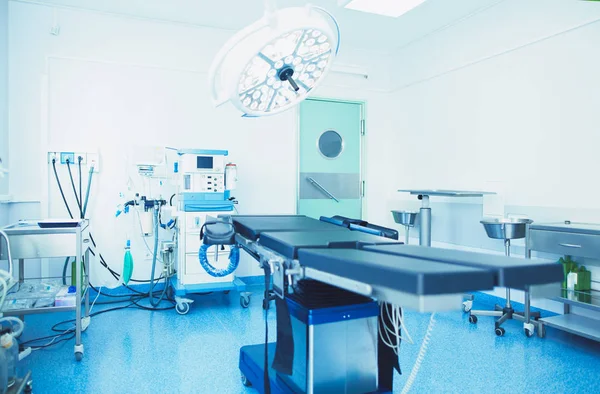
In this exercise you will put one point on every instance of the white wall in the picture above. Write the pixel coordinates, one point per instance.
(116, 84)
(4, 91)
(524, 117)
(508, 96)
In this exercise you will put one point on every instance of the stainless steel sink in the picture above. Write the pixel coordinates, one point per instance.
(405, 218)
(506, 228)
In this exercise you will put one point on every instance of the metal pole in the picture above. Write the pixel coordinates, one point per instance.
(78, 287)
(407, 228)
(527, 305)
(21, 279)
(507, 252)
(527, 311)
(425, 222)
(87, 282)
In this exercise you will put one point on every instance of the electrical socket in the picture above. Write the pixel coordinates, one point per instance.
(94, 159)
(53, 156)
(64, 156)
(83, 156)
(87, 158)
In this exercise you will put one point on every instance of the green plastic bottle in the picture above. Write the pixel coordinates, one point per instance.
(74, 273)
(584, 279)
(127, 263)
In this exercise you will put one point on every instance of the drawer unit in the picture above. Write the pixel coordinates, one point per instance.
(565, 243)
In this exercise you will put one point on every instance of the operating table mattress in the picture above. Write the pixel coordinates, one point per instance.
(509, 272)
(288, 243)
(251, 227)
(406, 274)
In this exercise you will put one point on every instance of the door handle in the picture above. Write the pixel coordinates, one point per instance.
(321, 188)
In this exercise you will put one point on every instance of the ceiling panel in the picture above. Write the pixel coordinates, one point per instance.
(359, 30)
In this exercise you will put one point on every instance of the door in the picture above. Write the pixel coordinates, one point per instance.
(330, 181)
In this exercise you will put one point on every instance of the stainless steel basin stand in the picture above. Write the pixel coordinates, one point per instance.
(406, 219)
(507, 230)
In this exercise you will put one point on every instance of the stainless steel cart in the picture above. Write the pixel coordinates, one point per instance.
(577, 240)
(27, 240)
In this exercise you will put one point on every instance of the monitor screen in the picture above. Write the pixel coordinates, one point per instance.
(204, 162)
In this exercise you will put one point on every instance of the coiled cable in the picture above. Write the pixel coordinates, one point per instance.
(421, 356)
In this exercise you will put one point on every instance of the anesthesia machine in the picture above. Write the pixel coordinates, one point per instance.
(204, 184)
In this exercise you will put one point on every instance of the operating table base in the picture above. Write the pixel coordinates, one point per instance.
(252, 359)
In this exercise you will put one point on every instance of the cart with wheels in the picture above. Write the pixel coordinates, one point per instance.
(32, 240)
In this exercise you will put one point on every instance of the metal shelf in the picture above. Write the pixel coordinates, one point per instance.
(588, 300)
(46, 309)
(21, 385)
(35, 311)
(575, 324)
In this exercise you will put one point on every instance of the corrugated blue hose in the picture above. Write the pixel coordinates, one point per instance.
(234, 261)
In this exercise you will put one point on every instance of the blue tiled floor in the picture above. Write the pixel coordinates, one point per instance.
(134, 351)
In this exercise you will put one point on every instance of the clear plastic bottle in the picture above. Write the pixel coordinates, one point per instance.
(11, 350)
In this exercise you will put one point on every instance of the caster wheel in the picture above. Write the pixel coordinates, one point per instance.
(500, 331)
(78, 356)
(473, 319)
(182, 308)
(467, 306)
(528, 329)
(245, 301)
(245, 381)
(528, 333)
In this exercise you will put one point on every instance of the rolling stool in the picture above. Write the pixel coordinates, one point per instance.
(507, 229)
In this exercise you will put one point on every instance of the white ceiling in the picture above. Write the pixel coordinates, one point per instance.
(359, 30)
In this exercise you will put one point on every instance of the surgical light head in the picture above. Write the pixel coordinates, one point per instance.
(275, 63)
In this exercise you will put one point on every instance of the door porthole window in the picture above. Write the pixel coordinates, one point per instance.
(330, 144)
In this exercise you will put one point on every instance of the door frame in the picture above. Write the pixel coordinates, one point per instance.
(363, 135)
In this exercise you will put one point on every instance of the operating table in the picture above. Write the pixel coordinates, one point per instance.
(328, 275)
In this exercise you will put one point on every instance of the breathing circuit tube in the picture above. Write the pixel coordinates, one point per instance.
(234, 261)
(151, 291)
(218, 233)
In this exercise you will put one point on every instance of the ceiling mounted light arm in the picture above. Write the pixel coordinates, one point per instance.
(275, 63)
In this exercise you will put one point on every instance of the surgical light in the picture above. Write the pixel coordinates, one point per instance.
(276, 62)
